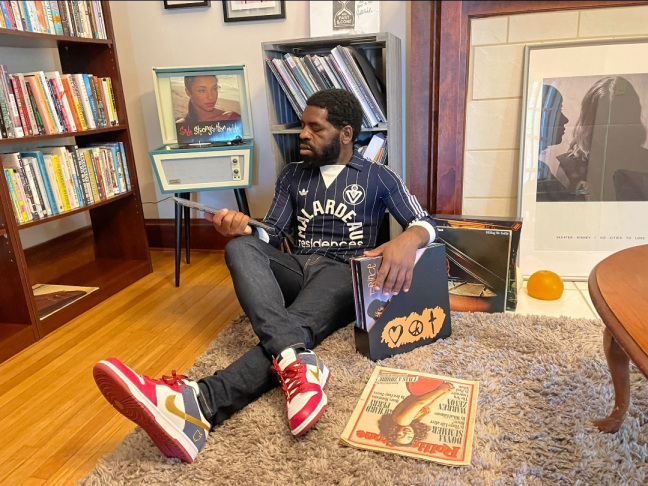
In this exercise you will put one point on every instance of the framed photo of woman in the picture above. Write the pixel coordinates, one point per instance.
(583, 154)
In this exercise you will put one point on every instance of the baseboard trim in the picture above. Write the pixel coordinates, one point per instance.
(161, 235)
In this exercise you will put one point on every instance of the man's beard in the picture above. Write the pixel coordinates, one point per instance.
(329, 155)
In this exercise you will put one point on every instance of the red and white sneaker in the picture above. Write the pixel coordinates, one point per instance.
(302, 377)
(167, 409)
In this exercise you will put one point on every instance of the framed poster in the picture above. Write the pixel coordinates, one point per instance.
(253, 10)
(168, 4)
(583, 154)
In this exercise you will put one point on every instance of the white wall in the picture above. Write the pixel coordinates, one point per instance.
(494, 104)
(148, 36)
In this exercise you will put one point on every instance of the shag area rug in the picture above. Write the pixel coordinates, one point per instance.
(542, 382)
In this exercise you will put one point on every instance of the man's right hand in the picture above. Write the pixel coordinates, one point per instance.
(230, 223)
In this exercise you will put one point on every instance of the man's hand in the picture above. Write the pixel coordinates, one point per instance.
(398, 260)
(230, 223)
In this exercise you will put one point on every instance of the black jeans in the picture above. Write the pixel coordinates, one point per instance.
(291, 301)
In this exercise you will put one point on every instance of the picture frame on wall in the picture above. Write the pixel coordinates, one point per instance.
(239, 11)
(583, 184)
(171, 4)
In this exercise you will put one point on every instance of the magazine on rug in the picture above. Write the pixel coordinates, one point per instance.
(415, 414)
(51, 298)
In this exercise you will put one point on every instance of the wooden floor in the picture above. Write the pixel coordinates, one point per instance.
(55, 424)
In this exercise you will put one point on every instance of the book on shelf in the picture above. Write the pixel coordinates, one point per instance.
(375, 150)
(16, 200)
(64, 12)
(22, 107)
(290, 95)
(24, 16)
(54, 78)
(39, 17)
(63, 181)
(27, 16)
(95, 85)
(70, 84)
(72, 105)
(33, 122)
(49, 17)
(58, 113)
(11, 102)
(43, 93)
(348, 57)
(300, 74)
(7, 20)
(84, 98)
(51, 298)
(392, 324)
(7, 121)
(478, 265)
(110, 96)
(40, 168)
(53, 182)
(56, 18)
(37, 96)
(22, 188)
(37, 186)
(14, 14)
(92, 101)
(82, 174)
(415, 414)
(25, 209)
(492, 223)
(339, 63)
(375, 83)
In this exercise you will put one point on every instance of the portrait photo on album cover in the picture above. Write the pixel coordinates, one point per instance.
(206, 107)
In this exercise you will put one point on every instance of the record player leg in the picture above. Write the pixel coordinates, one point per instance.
(187, 223)
(241, 200)
(178, 233)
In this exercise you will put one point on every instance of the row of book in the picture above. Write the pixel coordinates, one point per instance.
(71, 18)
(344, 68)
(53, 180)
(45, 103)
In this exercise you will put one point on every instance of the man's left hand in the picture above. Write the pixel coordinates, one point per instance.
(399, 256)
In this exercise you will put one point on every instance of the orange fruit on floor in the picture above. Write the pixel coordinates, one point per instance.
(545, 285)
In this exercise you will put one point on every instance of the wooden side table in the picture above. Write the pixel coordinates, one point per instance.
(618, 287)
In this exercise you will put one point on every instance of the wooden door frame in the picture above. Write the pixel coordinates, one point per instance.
(440, 44)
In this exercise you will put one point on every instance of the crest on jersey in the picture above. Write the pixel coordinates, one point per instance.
(354, 194)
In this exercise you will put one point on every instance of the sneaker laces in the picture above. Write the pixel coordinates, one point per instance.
(174, 379)
(289, 378)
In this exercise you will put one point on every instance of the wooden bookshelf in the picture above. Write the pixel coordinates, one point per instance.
(111, 253)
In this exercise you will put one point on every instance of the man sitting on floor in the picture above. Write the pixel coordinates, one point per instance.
(332, 203)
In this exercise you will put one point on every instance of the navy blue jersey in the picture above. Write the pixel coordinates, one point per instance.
(340, 221)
